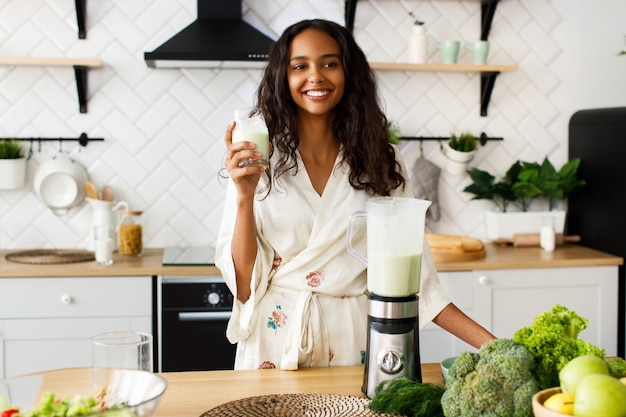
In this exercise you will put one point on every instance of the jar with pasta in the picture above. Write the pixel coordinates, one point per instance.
(130, 233)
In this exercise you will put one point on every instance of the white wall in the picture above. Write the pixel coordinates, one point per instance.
(163, 128)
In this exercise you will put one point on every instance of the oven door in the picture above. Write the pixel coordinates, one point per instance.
(194, 316)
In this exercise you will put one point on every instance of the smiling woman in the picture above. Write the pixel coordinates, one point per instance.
(281, 247)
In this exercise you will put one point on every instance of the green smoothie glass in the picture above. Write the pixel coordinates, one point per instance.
(251, 128)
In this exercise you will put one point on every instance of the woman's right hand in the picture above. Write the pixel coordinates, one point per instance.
(244, 178)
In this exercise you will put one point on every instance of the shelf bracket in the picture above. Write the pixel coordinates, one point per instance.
(80, 72)
(80, 18)
(487, 81)
(350, 12)
(487, 11)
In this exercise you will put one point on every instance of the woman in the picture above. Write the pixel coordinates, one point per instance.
(300, 297)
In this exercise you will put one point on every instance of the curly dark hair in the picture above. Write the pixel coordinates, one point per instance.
(359, 122)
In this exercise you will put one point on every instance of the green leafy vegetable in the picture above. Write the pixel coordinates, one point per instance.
(617, 367)
(553, 341)
(407, 397)
(496, 382)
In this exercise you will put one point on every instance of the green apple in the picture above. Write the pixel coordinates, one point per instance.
(578, 368)
(600, 395)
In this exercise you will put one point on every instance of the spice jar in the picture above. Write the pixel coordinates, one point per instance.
(130, 233)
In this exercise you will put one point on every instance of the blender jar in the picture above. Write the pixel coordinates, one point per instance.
(130, 233)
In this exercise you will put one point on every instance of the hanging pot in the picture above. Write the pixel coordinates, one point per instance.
(457, 162)
(12, 173)
(59, 183)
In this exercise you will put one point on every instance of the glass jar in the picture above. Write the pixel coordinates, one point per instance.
(130, 233)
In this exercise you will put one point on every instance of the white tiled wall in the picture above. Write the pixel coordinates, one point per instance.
(163, 128)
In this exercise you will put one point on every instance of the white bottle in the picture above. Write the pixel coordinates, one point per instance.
(546, 234)
(418, 45)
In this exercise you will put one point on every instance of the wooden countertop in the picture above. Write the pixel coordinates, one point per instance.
(498, 257)
(149, 264)
(189, 394)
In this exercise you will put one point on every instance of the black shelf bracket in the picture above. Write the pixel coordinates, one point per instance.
(80, 18)
(349, 13)
(487, 81)
(487, 11)
(80, 72)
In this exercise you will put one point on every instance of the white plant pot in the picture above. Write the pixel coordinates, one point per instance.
(505, 225)
(457, 162)
(12, 173)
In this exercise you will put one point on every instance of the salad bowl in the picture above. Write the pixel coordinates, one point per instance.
(107, 392)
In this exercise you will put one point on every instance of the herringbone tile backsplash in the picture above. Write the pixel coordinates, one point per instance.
(162, 129)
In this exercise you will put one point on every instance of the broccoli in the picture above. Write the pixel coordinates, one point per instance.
(495, 382)
(553, 341)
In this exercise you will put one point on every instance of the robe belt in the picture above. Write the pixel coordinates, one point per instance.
(307, 333)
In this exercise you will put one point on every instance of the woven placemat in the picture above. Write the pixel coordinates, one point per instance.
(50, 256)
(296, 405)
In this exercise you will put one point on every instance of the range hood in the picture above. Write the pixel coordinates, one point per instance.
(219, 38)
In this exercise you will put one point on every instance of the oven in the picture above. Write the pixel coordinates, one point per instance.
(194, 314)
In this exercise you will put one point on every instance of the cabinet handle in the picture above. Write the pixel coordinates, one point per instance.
(66, 299)
(483, 280)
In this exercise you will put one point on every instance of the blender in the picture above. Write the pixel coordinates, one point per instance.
(395, 238)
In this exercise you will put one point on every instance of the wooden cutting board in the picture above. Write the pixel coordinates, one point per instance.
(454, 248)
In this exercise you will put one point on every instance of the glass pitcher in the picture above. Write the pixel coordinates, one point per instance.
(395, 240)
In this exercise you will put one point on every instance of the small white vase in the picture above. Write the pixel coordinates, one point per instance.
(418, 45)
(12, 173)
(457, 162)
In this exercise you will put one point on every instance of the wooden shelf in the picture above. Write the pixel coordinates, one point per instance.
(80, 65)
(488, 74)
(403, 66)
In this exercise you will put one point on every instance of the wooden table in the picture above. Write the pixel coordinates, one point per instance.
(189, 394)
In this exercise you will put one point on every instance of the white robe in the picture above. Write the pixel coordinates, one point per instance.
(308, 303)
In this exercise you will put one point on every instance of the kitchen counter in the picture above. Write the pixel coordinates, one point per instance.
(189, 394)
(497, 257)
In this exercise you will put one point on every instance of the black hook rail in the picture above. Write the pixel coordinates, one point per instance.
(83, 139)
(483, 138)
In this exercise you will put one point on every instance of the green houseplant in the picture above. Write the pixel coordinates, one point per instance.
(12, 165)
(524, 184)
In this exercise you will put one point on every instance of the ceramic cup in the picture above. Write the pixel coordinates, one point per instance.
(479, 50)
(449, 51)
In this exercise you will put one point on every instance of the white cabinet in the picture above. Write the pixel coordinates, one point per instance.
(505, 300)
(47, 323)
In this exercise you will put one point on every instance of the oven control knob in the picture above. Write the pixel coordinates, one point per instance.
(213, 298)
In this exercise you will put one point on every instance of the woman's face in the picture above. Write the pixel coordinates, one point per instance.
(315, 74)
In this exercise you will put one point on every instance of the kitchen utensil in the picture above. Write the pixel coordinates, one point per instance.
(104, 213)
(59, 182)
(91, 191)
(454, 248)
(521, 240)
(539, 398)
(107, 193)
(141, 391)
(395, 236)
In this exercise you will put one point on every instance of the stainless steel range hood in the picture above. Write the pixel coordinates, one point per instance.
(219, 38)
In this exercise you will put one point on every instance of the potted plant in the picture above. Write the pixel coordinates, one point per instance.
(12, 165)
(459, 151)
(524, 185)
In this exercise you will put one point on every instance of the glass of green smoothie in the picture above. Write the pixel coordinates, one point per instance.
(251, 127)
